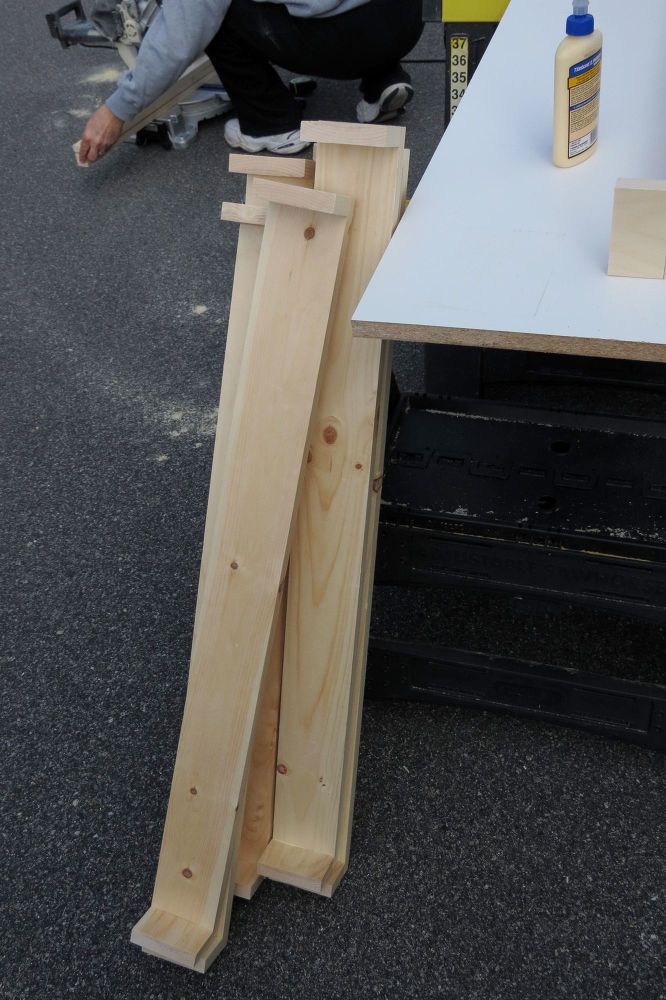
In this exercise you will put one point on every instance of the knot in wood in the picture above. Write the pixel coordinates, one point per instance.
(187, 872)
(282, 768)
(309, 233)
(234, 565)
(330, 435)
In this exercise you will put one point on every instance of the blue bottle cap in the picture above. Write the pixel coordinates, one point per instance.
(580, 24)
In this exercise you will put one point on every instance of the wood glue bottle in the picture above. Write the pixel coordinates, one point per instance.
(577, 86)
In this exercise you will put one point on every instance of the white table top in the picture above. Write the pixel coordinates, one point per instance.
(496, 240)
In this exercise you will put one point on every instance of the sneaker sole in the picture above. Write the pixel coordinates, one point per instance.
(259, 146)
(394, 104)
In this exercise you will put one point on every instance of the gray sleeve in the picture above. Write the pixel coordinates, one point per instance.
(179, 32)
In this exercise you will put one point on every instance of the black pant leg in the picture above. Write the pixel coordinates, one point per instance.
(366, 43)
(242, 53)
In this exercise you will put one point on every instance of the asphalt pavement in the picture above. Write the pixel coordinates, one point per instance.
(493, 858)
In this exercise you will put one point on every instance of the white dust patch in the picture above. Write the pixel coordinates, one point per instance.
(162, 458)
(108, 75)
(172, 418)
(80, 112)
(190, 422)
(199, 310)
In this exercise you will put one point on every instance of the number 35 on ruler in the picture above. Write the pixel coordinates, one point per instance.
(458, 71)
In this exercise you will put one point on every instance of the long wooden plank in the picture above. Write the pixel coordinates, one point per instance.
(241, 583)
(339, 866)
(201, 71)
(256, 829)
(319, 717)
(258, 812)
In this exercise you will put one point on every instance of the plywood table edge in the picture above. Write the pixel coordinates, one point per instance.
(506, 340)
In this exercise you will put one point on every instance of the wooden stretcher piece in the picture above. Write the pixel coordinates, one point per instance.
(326, 630)
(244, 574)
(258, 813)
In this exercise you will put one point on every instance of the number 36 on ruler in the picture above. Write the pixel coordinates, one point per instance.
(458, 71)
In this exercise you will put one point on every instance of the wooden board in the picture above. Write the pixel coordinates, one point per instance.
(233, 212)
(319, 722)
(249, 540)
(353, 134)
(638, 233)
(271, 166)
(257, 828)
(257, 824)
(317, 200)
(201, 71)
(338, 869)
(258, 811)
(500, 248)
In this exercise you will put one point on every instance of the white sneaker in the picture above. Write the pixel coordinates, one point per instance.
(391, 102)
(284, 144)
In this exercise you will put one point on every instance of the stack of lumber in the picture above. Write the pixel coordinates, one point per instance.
(264, 778)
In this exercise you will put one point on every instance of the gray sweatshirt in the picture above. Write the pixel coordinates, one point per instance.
(178, 33)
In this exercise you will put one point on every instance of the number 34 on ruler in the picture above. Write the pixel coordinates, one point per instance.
(458, 71)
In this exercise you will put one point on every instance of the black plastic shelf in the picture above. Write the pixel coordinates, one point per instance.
(629, 710)
(565, 508)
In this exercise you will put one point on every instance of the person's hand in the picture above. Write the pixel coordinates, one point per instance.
(101, 132)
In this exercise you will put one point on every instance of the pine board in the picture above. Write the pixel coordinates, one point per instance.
(320, 721)
(250, 530)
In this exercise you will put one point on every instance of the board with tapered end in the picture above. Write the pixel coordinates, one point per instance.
(250, 529)
(319, 716)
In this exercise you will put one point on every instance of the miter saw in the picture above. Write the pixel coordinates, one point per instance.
(121, 25)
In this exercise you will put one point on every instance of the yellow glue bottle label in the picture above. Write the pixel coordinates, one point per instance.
(584, 83)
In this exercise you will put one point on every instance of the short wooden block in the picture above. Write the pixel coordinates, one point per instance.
(300, 197)
(638, 236)
(353, 134)
(233, 212)
(76, 147)
(169, 936)
(295, 866)
(270, 166)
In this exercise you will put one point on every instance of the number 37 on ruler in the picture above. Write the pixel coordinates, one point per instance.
(458, 71)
